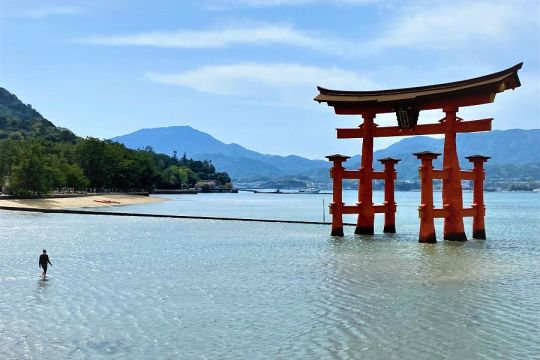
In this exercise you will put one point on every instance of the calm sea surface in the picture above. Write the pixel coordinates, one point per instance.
(144, 288)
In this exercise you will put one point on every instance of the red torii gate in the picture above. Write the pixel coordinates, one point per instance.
(407, 104)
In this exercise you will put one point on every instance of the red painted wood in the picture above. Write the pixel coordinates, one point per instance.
(438, 174)
(440, 213)
(479, 231)
(351, 209)
(467, 175)
(366, 216)
(452, 194)
(389, 201)
(350, 108)
(421, 129)
(443, 213)
(351, 174)
(426, 212)
(468, 212)
(336, 207)
(379, 175)
(355, 209)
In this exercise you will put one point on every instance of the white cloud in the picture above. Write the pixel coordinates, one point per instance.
(254, 34)
(456, 24)
(446, 26)
(251, 34)
(245, 78)
(191, 39)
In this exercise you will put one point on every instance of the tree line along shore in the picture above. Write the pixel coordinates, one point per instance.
(35, 167)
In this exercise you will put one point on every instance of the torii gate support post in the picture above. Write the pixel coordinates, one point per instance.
(452, 194)
(389, 201)
(479, 229)
(426, 210)
(336, 207)
(366, 214)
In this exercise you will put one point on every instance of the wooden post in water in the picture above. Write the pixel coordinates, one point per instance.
(479, 229)
(366, 215)
(452, 194)
(323, 212)
(389, 201)
(426, 210)
(336, 207)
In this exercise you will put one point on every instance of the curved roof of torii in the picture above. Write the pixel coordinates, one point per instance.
(469, 92)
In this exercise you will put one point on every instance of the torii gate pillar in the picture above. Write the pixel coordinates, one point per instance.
(389, 200)
(479, 230)
(336, 207)
(452, 194)
(426, 210)
(366, 215)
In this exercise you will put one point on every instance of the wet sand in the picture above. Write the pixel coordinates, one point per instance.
(81, 202)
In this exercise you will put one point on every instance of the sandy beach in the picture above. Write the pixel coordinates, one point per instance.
(81, 202)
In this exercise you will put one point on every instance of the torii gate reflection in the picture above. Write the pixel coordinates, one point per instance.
(407, 104)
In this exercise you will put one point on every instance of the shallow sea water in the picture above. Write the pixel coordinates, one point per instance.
(143, 288)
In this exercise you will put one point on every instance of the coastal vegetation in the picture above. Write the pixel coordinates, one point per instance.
(36, 157)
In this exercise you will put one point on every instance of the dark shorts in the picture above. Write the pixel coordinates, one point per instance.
(44, 267)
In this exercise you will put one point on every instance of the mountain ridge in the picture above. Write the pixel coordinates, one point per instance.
(241, 162)
(506, 147)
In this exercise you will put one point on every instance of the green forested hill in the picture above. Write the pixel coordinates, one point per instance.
(19, 121)
(37, 157)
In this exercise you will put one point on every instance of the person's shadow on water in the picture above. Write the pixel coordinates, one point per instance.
(41, 290)
(43, 282)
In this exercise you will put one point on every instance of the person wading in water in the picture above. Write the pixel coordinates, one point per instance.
(43, 261)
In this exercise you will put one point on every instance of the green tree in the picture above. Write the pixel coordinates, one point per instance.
(96, 162)
(75, 178)
(176, 177)
(223, 178)
(32, 175)
(16, 136)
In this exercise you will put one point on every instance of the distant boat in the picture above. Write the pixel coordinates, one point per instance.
(309, 191)
(107, 201)
(278, 191)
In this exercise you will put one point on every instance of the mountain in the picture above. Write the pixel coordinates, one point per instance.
(20, 121)
(515, 153)
(238, 161)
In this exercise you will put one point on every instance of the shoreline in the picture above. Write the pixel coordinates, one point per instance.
(81, 201)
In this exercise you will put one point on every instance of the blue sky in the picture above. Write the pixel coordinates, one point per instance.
(246, 71)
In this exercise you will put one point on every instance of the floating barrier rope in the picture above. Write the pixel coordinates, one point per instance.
(108, 213)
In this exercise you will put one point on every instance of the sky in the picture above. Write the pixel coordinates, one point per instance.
(246, 71)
